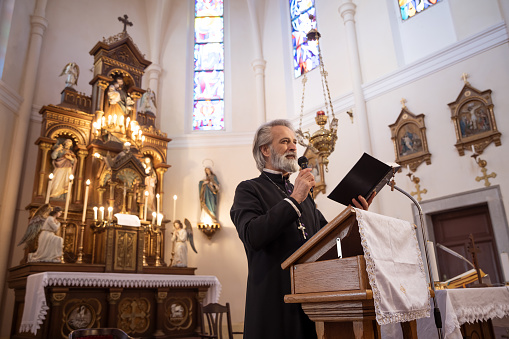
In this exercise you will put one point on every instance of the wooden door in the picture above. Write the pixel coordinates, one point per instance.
(452, 229)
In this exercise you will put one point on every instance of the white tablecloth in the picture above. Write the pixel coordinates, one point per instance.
(459, 306)
(36, 307)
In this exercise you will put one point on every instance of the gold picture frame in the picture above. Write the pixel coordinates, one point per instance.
(408, 135)
(317, 170)
(474, 120)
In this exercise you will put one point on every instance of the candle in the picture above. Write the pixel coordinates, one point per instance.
(85, 202)
(504, 259)
(50, 183)
(127, 122)
(473, 149)
(110, 213)
(102, 212)
(154, 218)
(95, 213)
(432, 260)
(71, 178)
(174, 207)
(160, 219)
(146, 206)
(157, 197)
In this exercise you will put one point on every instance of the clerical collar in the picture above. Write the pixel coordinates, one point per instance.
(278, 173)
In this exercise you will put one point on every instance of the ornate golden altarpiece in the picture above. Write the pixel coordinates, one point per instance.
(110, 151)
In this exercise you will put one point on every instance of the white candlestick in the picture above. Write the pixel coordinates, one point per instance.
(110, 213)
(146, 206)
(504, 259)
(85, 202)
(48, 192)
(160, 219)
(432, 260)
(154, 218)
(95, 213)
(473, 149)
(174, 207)
(102, 212)
(71, 178)
(157, 197)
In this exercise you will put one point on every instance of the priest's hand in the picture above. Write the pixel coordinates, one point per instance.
(303, 183)
(361, 203)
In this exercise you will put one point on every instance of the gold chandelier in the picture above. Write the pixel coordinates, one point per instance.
(322, 141)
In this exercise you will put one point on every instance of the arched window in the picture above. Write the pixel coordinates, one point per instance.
(208, 108)
(305, 53)
(411, 7)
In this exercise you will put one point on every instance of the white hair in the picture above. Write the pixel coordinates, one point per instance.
(263, 137)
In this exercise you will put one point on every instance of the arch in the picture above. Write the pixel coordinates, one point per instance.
(75, 134)
(155, 154)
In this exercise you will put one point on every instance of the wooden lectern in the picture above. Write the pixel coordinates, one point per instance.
(334, 290)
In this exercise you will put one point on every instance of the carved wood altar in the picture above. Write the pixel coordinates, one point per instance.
(124, 156)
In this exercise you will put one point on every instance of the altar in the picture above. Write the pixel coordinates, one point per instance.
(143, 305)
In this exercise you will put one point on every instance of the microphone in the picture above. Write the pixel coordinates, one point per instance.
(303, 163)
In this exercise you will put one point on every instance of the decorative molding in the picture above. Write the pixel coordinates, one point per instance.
(219, 139)
(35, 116)
(10, 98)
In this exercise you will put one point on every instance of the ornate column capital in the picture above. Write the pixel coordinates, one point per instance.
(258, 66)
(347, 10)
(45, 146)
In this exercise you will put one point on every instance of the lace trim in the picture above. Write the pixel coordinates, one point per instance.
(471, 314)
(389, 317)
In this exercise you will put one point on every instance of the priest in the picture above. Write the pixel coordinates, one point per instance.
(273, 219)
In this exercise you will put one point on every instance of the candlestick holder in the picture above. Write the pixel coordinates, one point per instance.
(209, 229)
(482, 164)
(80, 247)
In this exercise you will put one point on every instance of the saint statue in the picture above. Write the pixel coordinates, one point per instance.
(179, 239)
(119, 104)
(50, 245)
(64, 163)
(209, 191)
(148, 102)
(73, 72)
(150, 183)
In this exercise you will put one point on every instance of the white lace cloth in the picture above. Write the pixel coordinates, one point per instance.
(459, 306)
(394, 266)
(35, 309)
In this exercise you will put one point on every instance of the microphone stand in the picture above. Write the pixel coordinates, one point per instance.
(436, 310)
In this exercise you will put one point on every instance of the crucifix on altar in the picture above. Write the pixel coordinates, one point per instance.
(125, 21)
(474, 250)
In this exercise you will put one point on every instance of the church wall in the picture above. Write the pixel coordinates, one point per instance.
(470, 17)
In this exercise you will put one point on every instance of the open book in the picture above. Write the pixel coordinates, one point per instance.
(463, 279)
(367, 175)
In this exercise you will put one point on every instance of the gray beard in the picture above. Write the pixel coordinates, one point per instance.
(283, 163)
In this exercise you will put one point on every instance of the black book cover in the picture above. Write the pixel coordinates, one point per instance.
(367, 175)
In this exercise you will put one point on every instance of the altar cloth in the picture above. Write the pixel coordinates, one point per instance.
(457, 307)
(36, 307)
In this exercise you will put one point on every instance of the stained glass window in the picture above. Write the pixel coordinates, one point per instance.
(305, 53)
(208, 94)
(411, 7)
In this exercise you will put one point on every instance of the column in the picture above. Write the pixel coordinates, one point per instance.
(258, 63)
(161, 295)
(43, 172)
(18, 142)
(57, 295)
(347, 12)
(79, 183)
(113, 298)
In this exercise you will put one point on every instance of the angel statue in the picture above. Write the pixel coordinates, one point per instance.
(73, 72)
(179, 238)
(34, 228)
(41, 233)
(148, 102)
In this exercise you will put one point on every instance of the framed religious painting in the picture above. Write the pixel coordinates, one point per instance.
(317, 170)
(474, 120)
(408, 135)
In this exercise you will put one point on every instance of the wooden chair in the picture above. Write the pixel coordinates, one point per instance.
(99, 333)
(213, 326)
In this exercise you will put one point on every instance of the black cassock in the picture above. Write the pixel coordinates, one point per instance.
(267, 225)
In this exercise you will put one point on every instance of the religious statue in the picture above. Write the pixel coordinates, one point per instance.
(209, 191)
(148, 102)
(50, 245)
(179, 238)
(64, 163)
(150, 183)
(34, 228)
(119, 104)
(73, 72)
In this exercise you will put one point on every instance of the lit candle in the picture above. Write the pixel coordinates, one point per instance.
(95, 213)
(102, 212)
(157, 197)
(154, 218)
(146, 206)
(71, 178)
(110, 213)
(174, 207)
(85, 202)
(127, 122)
(109, 119)
(50, 183)
(473, 149)
(432, 260)
(160, 219)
